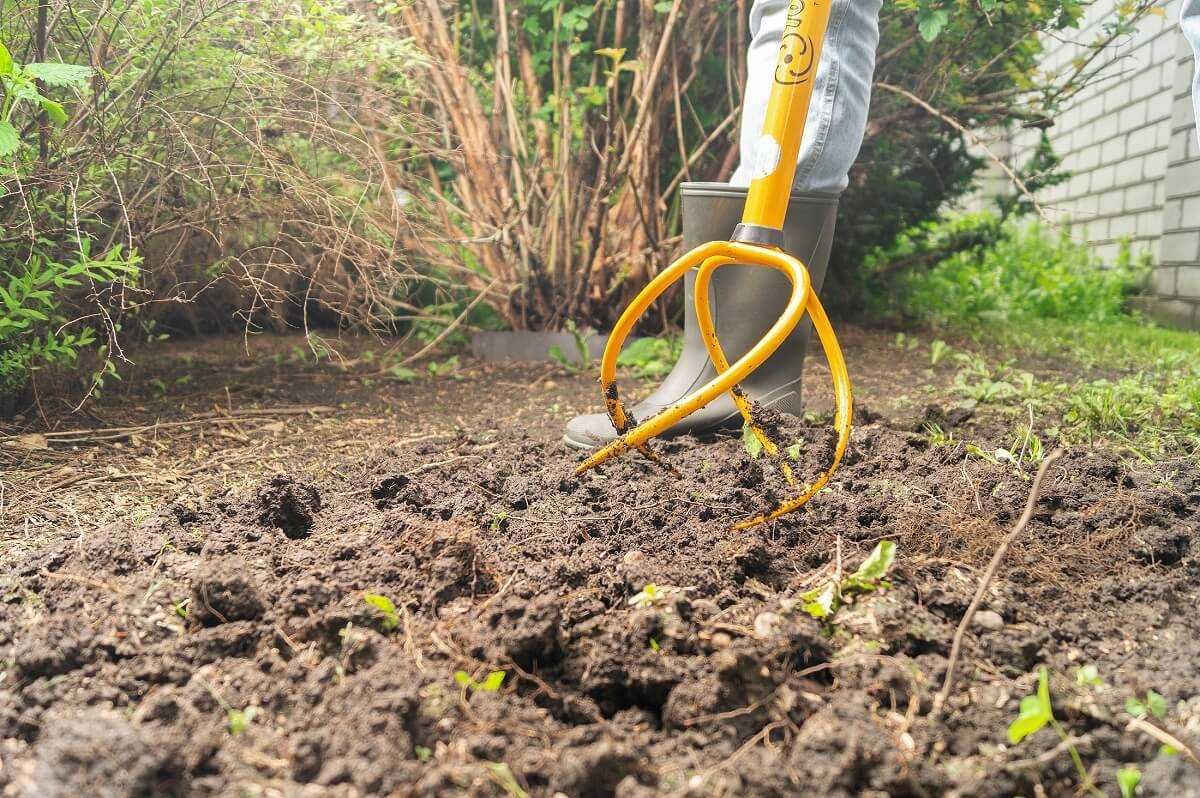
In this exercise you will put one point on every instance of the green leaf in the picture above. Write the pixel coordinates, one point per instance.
(384, 604)
(503, 775)
(493, 682)
(6, 61)
(931, 21)
(59, 74)
(10, 142)
(1128, 779)
(1135, 707)
(464, 678)
(1035, 711)
(820, 603)
(877, 564)
(1156, 704)
(55, 112)
(753, 445)
(239, 720)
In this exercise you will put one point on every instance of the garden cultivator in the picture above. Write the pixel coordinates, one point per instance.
(757, 241)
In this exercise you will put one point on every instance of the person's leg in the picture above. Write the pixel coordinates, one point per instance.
(746, 300)
(837, 118)
(1189, 20)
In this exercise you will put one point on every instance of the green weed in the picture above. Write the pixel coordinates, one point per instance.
(583, 353)
(386, 608)
(651, 358)
(491, 683)
(824, 601)
(1152, 704)
(1128, 779)
(649, 596)
(1035, 713)
(239, 720)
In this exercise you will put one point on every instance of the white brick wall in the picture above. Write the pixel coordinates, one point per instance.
(1129, 141)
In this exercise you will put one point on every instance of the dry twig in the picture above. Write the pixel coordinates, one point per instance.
(956, 647)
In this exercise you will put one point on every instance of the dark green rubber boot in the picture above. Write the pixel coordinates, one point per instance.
(746, 301)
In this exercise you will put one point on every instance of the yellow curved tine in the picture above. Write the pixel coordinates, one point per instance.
(716, 353)
(844, 407)
(732, 251)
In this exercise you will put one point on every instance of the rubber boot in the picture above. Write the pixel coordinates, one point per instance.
(746, 301)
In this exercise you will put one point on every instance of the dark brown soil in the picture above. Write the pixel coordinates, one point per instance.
(226, 647)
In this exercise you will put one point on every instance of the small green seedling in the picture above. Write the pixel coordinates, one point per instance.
(651, 595)
(491, 684)
(240, 719)
(1153, 704)
(750, 441)
(401, 373)
(503, 776)
(424, 753)
(937, 352)
(181, 607)
(654, 646)
(583, 352)
(1128, 779)
(1089, 676)
(822, 602)
(1037, 712)
(385, 606)
(650, 358)
(795, 449)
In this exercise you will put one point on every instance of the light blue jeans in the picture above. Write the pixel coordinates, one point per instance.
(1189, 20)
(837, 117)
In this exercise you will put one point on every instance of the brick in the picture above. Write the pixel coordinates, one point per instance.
(1118, 97)
(1150, 224)
(1103, 178)
(1183, 179)
(1134, 116)
(1104, 126)
(1130, 170)
(1189, 213)
(1096, 230)
(1188, 282)
(1163, 280)
(1181, 247)
(1112, 150)
(1112, 202)
(1123, 225)
(1179, 146)
(1172, 214)
(1079, 184)
(1107, 254)
(1173, 312)
(1155, 165)
(1139, 196)
(1182, 83)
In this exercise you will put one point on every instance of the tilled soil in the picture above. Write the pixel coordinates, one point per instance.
(229, 648)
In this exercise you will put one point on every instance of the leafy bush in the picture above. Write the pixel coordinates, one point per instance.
(983, 269)
(250, 153)
(35, 331)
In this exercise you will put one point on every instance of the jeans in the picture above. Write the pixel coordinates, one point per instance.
(1189, 20)
(837, 117)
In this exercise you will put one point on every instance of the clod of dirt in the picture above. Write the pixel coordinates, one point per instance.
(740, 681)
(289, 505)
(224, 589)
(519, 629)
(51, 650)
(988, 621)
(98, 753)
(594, 771)
(1163, 546)
(841, 750)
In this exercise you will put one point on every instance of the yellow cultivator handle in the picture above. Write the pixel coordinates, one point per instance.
(758, 241)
